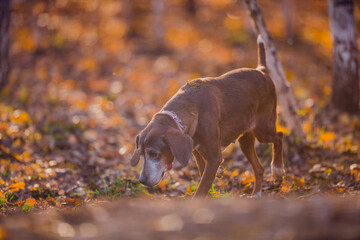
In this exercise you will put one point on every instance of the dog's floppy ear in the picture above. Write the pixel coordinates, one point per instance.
(180, 144)
(137, 153)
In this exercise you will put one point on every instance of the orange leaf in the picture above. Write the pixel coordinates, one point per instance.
(19, 117)
(327, 136)
(20, 203)
(340, 189)
(247, 178)
(30, 202)
(161, 185)
(17, 186)
(282, 129)
(17, 156)
(234, 173)
(307, 127)
(285, 187)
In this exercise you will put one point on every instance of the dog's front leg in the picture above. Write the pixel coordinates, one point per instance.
(213, 160)
(200, 162)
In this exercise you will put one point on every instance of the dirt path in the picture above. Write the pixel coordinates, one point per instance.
(318, 218)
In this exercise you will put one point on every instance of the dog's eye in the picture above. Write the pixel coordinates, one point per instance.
(152, 154)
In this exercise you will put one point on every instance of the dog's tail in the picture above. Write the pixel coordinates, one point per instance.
(261, 52)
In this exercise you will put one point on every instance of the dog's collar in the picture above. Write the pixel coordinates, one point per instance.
(176, 119)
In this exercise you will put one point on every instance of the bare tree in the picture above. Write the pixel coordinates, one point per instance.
(4, 41)
(285, 95)
(345, 86)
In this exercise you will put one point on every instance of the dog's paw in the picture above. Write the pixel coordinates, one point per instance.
(277, 173)
(256, 195)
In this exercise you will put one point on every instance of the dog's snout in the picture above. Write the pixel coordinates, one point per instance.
(142, 180)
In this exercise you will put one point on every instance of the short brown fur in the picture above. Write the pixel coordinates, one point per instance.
(216, 111)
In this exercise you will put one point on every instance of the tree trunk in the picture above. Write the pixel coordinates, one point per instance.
(345, 86)
(158, 11)
(285, 96)
(129, 18)
(4, 41)
(191, 6)
(287, 7)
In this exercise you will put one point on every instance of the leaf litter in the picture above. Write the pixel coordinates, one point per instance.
(74, 105)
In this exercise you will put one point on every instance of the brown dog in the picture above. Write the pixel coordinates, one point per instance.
(207, 114)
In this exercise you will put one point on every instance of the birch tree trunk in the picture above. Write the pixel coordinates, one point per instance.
(4, 41)
(285, 96)
(345, 86)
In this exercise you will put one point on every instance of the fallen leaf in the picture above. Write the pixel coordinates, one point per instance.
(327, 136)
(17, 186)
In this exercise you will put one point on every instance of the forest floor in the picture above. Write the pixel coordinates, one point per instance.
(74, 105)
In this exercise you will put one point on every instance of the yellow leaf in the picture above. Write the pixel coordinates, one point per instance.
(2, 198)
(282, 129)
(232, 23)
(328, 171)
(301, 92)
(26, 156)
(19, 117)
(327, 136)
(300, 182)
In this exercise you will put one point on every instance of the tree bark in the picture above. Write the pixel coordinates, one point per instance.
(285, 96)
(4, 41)
(129, 17)
(345, 86)
(191, 6)
(287, 7)
(158, 11)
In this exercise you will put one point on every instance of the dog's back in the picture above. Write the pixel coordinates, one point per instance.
(235, 100)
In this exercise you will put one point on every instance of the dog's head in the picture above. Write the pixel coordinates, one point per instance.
(158, 145)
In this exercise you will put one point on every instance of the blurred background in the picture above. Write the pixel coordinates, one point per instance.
(87, 75)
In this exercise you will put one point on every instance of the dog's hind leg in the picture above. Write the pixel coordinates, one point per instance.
(265, 132)
(247, 145)
(200, 162)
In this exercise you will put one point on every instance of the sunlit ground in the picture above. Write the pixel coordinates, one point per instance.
(81, 89)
